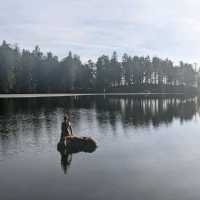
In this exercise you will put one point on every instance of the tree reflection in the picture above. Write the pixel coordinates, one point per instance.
(34, 117)
(135, 110)
(139, 112)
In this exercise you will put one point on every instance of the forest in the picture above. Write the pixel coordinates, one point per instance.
(25, 71)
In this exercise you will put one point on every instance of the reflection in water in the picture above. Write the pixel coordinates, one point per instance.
(127, 162)
(43, 115)
(138, 110)
(147, 111)
(66, 158)
(71, 145)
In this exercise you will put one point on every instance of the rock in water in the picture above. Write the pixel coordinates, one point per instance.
(75, 144)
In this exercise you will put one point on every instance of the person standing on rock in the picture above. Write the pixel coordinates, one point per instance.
(66, 127)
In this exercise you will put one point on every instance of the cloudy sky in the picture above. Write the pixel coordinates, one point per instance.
(92, 27)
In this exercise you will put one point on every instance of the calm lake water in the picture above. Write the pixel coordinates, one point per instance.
(148, 148)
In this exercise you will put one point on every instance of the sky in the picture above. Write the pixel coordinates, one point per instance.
(90, 28)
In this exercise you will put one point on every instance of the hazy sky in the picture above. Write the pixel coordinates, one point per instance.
(166, 28)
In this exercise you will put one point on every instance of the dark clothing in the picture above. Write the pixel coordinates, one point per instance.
(66, 129)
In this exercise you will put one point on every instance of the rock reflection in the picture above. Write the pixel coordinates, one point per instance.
(71, 145)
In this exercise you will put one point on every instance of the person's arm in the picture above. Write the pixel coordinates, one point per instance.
(70, 127)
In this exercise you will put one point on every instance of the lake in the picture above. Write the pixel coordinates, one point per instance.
(148, 148)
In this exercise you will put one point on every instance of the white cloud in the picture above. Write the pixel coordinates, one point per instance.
(93, 27)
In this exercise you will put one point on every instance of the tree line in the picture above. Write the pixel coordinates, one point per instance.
(24, 71)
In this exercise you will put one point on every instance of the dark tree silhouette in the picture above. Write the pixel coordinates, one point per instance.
(23, 71)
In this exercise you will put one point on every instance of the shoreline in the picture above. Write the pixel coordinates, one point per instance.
(42, 95)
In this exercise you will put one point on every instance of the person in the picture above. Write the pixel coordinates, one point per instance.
(66, 127)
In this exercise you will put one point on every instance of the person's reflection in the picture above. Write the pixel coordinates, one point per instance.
(66, 159)
(65, 153)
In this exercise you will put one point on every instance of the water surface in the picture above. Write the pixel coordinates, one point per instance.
(148, 148)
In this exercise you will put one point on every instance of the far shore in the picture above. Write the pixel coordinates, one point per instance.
(40, 95)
